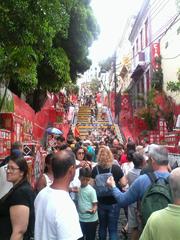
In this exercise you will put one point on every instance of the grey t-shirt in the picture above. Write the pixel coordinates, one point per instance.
(132, 175)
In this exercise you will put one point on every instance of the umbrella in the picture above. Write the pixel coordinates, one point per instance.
(53, 130)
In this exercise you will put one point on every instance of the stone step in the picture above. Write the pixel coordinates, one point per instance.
(84, 113)
(96, 122)
(91, 126)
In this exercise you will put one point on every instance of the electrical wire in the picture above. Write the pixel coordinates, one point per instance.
(157, 6)
(169, 58)
(158, 9)
(158, 37)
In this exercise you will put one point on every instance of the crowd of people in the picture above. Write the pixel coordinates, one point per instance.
(84, 185)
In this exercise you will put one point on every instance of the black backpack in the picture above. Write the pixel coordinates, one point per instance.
(157, 196)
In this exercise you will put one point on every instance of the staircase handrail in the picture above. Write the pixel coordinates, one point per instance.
(120, 134)
(110, 116)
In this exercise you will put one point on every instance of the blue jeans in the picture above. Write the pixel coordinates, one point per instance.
(108, 220)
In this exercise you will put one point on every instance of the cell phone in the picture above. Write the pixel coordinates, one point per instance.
(89, 211)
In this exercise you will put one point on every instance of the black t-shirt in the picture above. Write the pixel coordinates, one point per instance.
(117, 174)
(23, 195)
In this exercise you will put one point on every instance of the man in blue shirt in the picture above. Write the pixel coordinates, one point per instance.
(159, 158)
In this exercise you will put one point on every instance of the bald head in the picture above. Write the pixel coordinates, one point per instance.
(61, 163)
(174, 181)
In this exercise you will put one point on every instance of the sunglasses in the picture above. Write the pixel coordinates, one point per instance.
(80, 152)
(11, 169)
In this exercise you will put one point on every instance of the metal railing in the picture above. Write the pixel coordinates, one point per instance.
(118, 129)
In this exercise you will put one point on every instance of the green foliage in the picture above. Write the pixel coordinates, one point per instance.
(106, 64)
(72, 88)
(83, 30)
(27, 32)
(44, 44)
(150, 112)
(8, 105)
(94, 86)
(6, 100)
(157, 78)
(144, 133)
(18, 64)
(53, 72)
(174, 86)
(157, 104)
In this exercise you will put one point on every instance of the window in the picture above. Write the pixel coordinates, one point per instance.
(133, 52)
(141, 34)
(137, 45)
(146, 33)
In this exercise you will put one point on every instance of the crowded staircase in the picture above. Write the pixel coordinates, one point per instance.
(87, 124)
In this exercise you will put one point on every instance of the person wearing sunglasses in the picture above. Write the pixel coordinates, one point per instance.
(17, 206)
(80, 162)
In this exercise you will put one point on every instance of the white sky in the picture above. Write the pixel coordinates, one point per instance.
(111, 16)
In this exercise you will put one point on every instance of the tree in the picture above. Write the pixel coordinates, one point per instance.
(94, 86)
(72, 88)
(83, 30)
(174, 86)
(106, 65)
(157, 78)
(157, 105)
(44, 44)
(27, 31)
(149, 112)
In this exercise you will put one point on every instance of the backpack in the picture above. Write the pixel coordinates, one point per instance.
(157, 196)
(102, 190)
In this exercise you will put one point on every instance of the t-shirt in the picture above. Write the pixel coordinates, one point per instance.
(123, 159)
(126, 167)
(56, 216)
(23, 195)
(132, 175)
(48, 180)
(163, 224)
(75, 182)
(86, 198)
(117, 174)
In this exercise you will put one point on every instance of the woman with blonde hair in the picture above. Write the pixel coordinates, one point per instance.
(108, 209)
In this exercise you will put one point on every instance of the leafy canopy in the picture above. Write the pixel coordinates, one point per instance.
(44, 44)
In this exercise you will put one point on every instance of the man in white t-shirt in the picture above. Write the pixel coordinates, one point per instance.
(56, 214)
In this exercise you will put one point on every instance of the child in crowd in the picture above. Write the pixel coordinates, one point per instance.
(87, 205)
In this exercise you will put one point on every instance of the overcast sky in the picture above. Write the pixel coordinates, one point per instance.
(111, 16)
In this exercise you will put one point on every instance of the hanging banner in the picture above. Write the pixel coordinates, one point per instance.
(155, 51)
